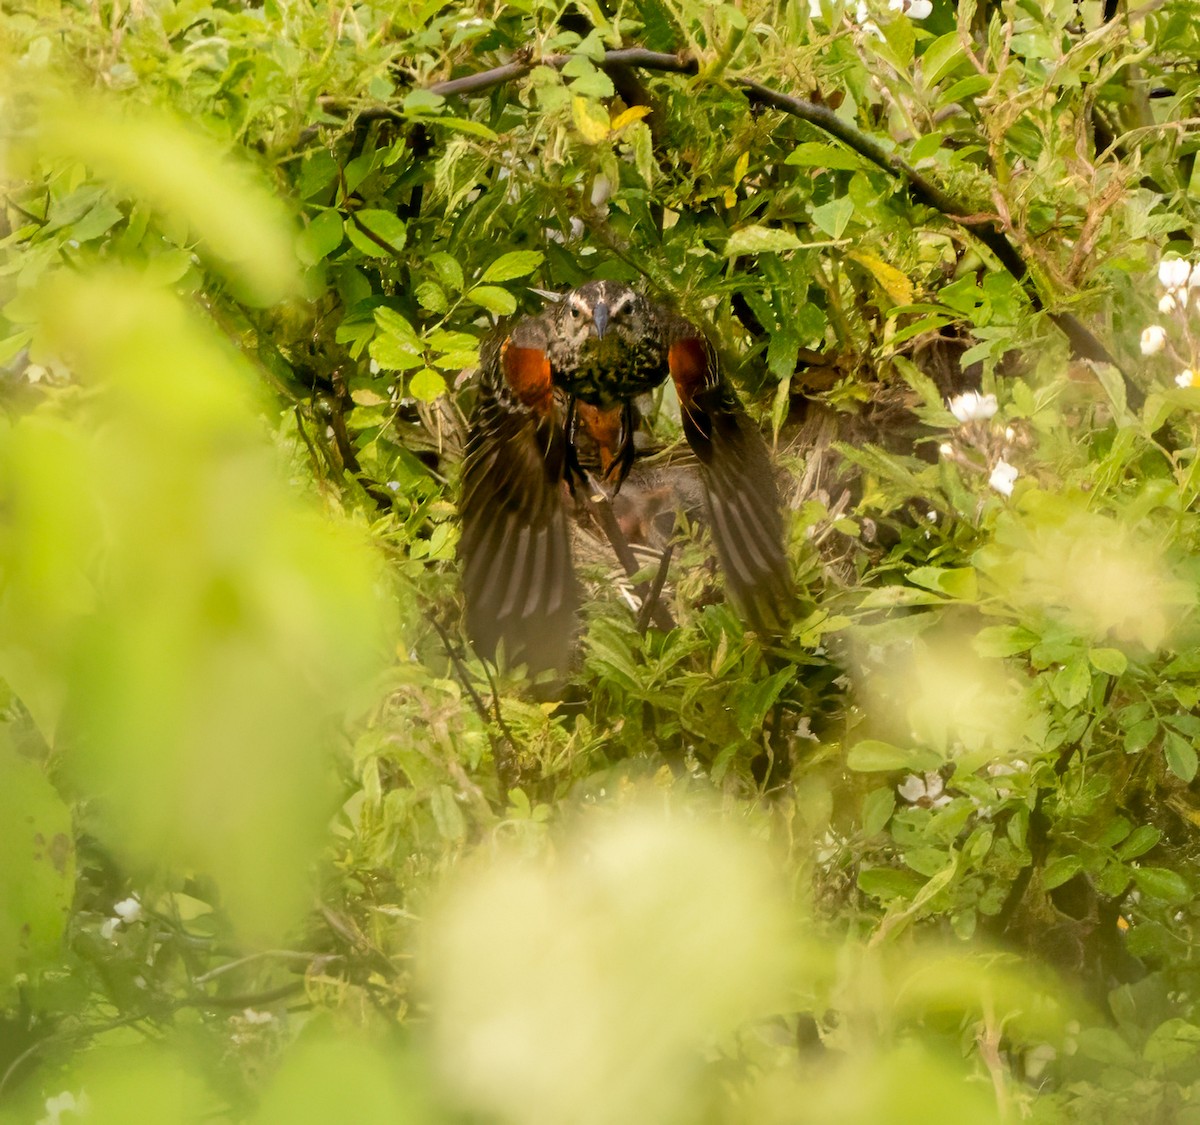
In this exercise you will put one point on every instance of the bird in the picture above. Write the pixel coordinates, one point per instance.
(577, 367)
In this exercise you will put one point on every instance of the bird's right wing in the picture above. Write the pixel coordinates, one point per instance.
(739, 481)
(515, 549)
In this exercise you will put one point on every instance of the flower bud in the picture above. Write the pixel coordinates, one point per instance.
(1153, 339)
(971, 406)
(1003, 477)
(1174, 273)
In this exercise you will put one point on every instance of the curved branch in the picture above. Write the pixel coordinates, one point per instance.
(986, 229)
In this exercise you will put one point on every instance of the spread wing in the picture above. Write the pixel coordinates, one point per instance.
(739, 481)
(515, 549)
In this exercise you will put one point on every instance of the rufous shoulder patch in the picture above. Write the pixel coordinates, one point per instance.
(527, 372)
(688, 363)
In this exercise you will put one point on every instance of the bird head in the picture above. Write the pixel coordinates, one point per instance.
(602, 316)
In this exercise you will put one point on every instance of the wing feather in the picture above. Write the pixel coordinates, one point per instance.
(739, 481)
(518, 581)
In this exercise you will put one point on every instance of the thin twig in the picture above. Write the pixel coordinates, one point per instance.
(504, 751)
(265, 954)
(1083, 342)
(643, 621)
(600, 508)
(245, 1000)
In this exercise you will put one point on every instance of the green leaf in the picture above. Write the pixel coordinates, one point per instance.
(446, 813)
(959, 583)
(873, 756)
(761, 240)
(943, 56)
(1180, 755)
(393, 354)
(389, 229)
(426, 385)
(396, 324)
(494, 299)
(37, 877)
(431, 296)
(1109, 660)
(1161, 883)
(964, 89)
(1003, 640)
(1172, 1043)
(1059, 870)
(815, 154)
(516, 263)
(927, 861)
(422, 102)
(448, 271)
(190, 181)
(1139, 842)
(321, 237)
(832, 217)
(1072, 682)
(878, 806)
(925, 147)
(462, 125)
(888, 597)
(888, 883)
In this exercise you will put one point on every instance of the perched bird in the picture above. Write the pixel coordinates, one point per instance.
(580, 364)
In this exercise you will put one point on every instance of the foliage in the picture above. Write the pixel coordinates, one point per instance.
(931, 855)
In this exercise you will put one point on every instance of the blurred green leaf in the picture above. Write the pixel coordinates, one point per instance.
(871, 755)
(239, 222)
(37, 877)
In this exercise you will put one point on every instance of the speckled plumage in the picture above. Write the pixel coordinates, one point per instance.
(602, 344)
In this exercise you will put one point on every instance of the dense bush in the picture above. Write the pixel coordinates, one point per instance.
(276, 847)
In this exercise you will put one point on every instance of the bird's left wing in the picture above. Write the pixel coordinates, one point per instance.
(739, 479)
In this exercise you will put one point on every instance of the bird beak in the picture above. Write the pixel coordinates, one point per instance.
(600, 319)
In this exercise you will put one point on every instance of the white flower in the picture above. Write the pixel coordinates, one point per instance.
(862, 16)
(814, 9)
(919, 9)
(924, 790)
(1007, 769)
(946, 449)
(108, 928)
(128, 909)
(1186, 378)
(971, 406)
(1003, 477)
(66, 1102)
(1153, 339)
(1010, 434)
(1174, 273)
(1194, 280)
(252, 1015)
(1166, 303)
